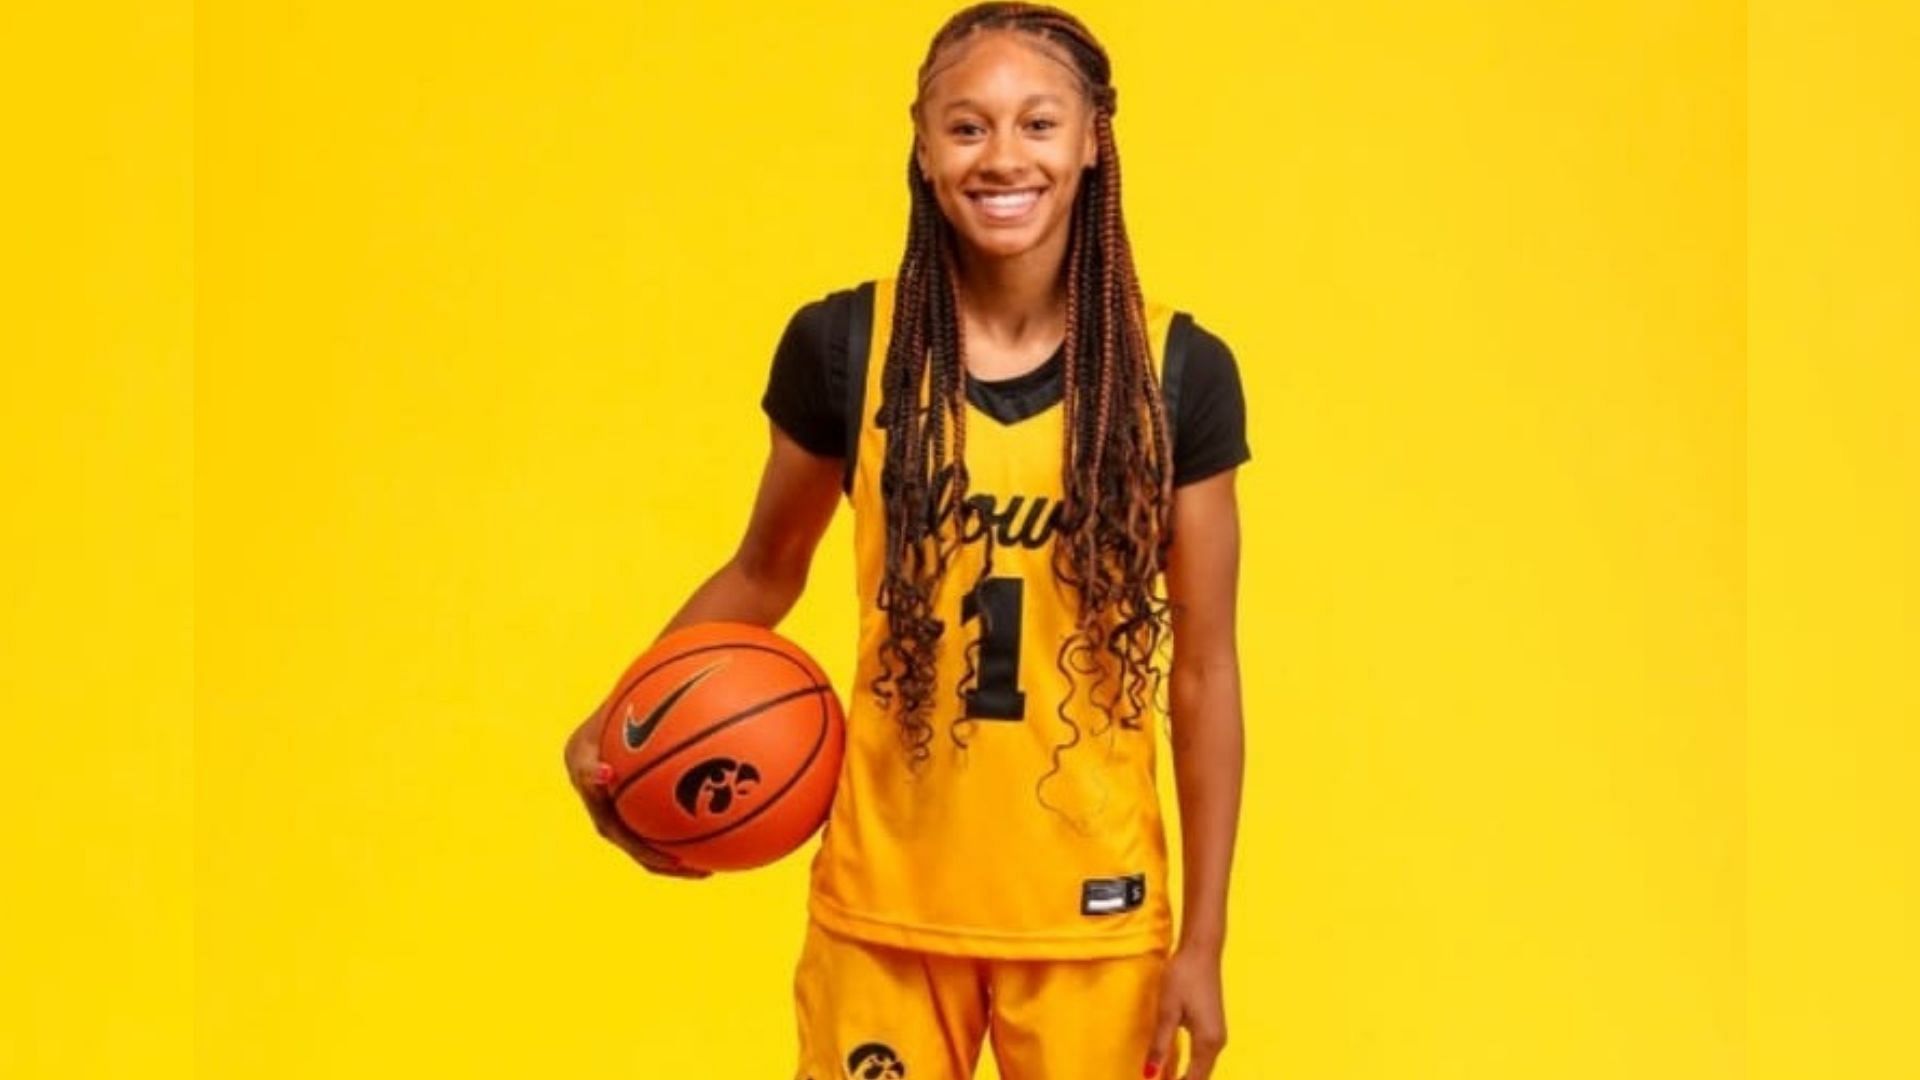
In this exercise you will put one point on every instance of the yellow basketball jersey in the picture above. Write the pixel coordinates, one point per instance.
(966, 856)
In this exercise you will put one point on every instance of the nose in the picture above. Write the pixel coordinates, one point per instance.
(1005, 158)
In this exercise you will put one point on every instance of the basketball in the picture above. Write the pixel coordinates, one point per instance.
(723, 742)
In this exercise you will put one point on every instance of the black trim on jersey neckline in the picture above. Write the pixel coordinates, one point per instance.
(1008, 401)
(1021, 396)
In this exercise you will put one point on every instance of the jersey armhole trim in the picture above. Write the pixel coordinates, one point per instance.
(1179, 333)
(859, 343)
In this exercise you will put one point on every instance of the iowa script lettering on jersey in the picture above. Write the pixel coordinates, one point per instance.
(1041, 521)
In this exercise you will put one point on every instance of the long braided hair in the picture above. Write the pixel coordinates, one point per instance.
(1109, 544)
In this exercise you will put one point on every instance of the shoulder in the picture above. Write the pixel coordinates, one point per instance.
(834, 301)
(1198, 346)
(818, 314)
(1207, 368)
(1210, 418)
(1209, 346)
(822, 323)
(1207, 354)
(817, 329)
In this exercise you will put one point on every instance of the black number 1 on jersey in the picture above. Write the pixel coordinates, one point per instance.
(997, 695)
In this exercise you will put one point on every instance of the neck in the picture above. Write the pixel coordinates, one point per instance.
(1018, 301)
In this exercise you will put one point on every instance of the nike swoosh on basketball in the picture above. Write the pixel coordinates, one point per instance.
(639, 731)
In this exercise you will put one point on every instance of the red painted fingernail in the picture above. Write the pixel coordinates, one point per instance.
(1152, 1069)
(604, 774)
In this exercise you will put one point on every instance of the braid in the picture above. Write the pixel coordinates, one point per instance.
(1116, 469)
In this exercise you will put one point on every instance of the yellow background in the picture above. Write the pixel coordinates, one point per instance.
(382, 377)
(1834, 541)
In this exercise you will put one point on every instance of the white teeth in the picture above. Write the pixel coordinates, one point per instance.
(1007, 206)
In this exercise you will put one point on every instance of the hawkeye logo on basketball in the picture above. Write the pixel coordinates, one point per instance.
(719, 780)
(1041, 521)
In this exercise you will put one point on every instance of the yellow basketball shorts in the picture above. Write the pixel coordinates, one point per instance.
(873, 1012)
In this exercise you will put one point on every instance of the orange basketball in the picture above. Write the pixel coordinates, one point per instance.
(724, 741)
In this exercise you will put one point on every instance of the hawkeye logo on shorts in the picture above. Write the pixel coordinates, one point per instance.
(875, 1061)
(640, 730)
(1109, 896)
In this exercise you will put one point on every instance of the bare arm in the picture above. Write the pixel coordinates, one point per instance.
(766, 575)
(1203, 572)
(759, 584)
(1204, 695)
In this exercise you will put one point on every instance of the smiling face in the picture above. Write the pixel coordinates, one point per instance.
(1004, 131)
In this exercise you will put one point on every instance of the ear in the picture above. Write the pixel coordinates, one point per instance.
(1089, 149)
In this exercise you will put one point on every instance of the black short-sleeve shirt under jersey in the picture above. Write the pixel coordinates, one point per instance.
(807, 392)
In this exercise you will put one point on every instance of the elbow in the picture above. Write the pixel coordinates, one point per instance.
(1200, 668)
(1210, 689)
(773, 574)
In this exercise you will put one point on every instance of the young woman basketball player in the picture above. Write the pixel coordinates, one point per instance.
(1028, 446)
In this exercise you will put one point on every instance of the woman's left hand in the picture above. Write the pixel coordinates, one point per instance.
(1190, 998)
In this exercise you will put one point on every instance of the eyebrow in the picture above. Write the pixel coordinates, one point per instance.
(1032, 99)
